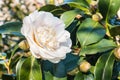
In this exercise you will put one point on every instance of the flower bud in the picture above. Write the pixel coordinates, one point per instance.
(24, 45)
(84, 66)
(117, 53)
(78, 16)
(94, 4)
(97, 17)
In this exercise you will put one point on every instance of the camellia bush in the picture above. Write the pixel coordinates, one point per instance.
(77, 40)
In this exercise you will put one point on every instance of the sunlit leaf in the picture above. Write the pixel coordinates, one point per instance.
(104, 67)
(49, 76)
(80, 2)
(28, 69)
(69, 16)
(82, 76)
(101, 46)
(80, 6)
(90, 32)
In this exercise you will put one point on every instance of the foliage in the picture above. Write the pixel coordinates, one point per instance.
(93, 41)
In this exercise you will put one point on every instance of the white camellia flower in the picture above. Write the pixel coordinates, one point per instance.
(46, 36)
(118, 14)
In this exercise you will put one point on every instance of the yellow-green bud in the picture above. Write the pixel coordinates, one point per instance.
(85, 66)
(94, 3)
(117, 53)
(24, 45)
(97, 17)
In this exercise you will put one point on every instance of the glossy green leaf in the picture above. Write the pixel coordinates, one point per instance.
(49, 76)
(11, 28)
(104, 67)
(108, 8)
(88, 77)
(81, 2)
(28, 69)
(55, 78)
(101, 46)
(56, 10)
(48, 8)
(80, 6)
(90, 32)
(82, 76)
(69, 16)
(79, 76)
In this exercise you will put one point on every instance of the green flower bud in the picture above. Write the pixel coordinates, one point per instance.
(84, 66)
(97, 17)
(117, 53)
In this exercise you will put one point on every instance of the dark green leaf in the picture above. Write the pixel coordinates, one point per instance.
(28, 69)
(48, 8)
(115, 31)
(79, 76)
(69, 16)
(119, 76)
(60, 69)
(11, 28)
(56, 10)
(90, 32)
(101, 46)
(73, 29)
(104, 66)
(108, 8)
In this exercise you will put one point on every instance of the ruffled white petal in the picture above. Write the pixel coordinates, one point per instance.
(41, 46)
(118, 14)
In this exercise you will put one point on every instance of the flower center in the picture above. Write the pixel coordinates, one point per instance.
(45, 37)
